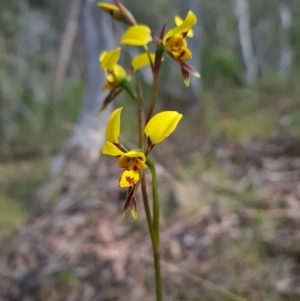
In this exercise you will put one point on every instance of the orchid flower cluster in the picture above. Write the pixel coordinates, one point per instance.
(152, 129)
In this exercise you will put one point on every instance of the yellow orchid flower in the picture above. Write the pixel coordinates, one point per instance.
(157, 129)
(174, 42)
(115, 73)
(133, 162)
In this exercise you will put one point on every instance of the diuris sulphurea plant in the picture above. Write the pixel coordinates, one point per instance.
(152, 128)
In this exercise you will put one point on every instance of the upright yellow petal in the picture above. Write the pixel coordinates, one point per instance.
(179, 21)
(113, 126)
(102, 56)
(189, 21)
(161, 125)
(142, 60)
(111, 150)
(138, 35)
(109, 59)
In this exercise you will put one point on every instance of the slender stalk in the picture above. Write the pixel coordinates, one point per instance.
(154, 234)
(141, 116)
(141, 120)
(155, 71)
(147, 210)
(155, 225)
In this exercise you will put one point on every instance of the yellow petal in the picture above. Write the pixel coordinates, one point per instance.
(112, 132)
(109, 59)
(138, 35)
(182, 54)
(189, 21)
(119, 72)
(111, 150)
(122, 14)
(111, 9)
(129, 178)
(162, 125)
(102, 55)
(142, 60)
(135, 154)
(136, 163)
(179, 21)
(109, 77)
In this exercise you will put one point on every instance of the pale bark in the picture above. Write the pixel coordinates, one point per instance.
(65, 48)
(83, 148)
(241, 9)
(286, 51)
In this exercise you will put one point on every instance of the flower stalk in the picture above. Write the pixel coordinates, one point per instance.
(155, 225)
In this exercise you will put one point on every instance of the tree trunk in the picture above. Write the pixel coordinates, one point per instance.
(65, 49)
(285, 52)
(241, 10)
(84, 146)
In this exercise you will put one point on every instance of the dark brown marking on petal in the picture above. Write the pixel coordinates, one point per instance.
(181, 55)
(130, 180)
(184, 34)
(135, 168)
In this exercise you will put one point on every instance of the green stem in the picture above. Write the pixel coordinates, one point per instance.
(141, 116)
(155, 70)
(155, 225)
(154, 236)
(147, 209)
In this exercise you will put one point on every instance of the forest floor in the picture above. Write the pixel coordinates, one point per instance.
(230, 191)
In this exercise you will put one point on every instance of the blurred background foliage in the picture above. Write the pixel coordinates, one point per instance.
(35, 120)
(31, 33)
